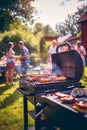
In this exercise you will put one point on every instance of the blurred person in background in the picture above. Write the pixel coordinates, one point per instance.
(52, 49)
(81, 50)
(10, 63)
(24, 58)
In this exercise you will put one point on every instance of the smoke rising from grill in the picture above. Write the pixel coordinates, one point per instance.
(56, 70)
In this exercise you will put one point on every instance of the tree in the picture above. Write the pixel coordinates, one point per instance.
(14, 8)
(21, 8)
(43, 51)
(5, 20)
(48, 31)
(37, 28)
(70, 26)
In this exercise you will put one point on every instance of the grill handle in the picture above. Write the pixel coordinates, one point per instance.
(39, 113)
(64, 44)
(39, 109)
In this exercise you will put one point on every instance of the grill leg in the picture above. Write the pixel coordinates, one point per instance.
(25, 113)
(37, 124)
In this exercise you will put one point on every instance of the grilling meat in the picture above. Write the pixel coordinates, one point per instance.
(31, 78)
(80, 106)
(61, 78)
(60, 95)
(68, 99)
(51, 78)
(43, 79)
(65, 98)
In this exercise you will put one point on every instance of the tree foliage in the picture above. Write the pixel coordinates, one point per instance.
(48, 31)
(37, 28)
(17, 32)
(70, 25)
(5, 20)
(21, 8)
(10, 9)
(42, 45)
(43, 51)
(15, 8)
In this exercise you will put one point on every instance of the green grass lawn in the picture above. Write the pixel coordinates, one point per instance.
(11, 106)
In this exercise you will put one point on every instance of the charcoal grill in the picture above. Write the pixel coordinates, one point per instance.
(56, 114)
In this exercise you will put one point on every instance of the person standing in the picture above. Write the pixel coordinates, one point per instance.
(81, 50)
(24, 58)
(10, 63)
(52, 48)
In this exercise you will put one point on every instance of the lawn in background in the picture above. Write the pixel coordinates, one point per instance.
(11, 108)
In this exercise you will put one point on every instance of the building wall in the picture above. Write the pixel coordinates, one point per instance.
(84, 34)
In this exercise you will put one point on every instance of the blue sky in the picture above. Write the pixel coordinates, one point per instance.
(54, 11)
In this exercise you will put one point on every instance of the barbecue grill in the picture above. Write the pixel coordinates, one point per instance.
(49, 112)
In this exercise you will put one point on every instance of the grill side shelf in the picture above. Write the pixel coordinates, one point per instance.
(49, 100)
(65, 106)
(25, 91)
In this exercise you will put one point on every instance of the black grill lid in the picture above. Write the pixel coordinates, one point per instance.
(68, 63)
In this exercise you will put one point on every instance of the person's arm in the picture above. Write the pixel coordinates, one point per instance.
(9, 54)
(24, 56)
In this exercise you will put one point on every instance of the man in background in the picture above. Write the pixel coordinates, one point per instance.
(24, 57)
(52, 48)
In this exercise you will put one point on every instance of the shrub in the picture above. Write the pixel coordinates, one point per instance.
(34, 59)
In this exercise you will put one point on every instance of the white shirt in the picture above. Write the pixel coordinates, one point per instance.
(52, 50)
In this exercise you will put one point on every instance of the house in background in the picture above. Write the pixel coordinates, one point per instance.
(50, 38)
(72, 39)
(69, 38)
(64, 39)
(83, 21)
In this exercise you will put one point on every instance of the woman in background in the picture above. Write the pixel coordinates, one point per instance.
(81, 50)
(10, 63)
